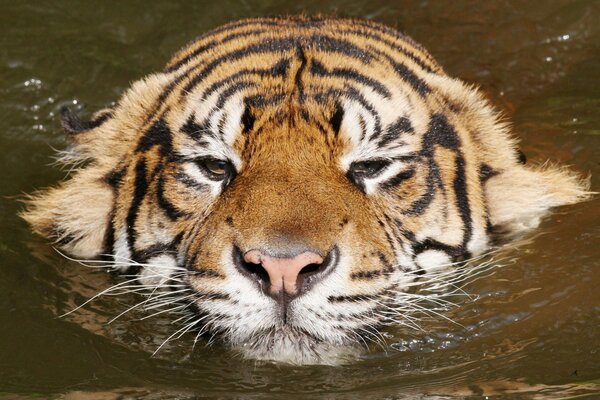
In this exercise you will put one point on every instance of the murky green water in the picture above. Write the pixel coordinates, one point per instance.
(531, 328)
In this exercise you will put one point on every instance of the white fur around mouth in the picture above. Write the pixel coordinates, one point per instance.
(288, 345)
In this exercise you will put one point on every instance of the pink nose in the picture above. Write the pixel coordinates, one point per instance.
(283, 272)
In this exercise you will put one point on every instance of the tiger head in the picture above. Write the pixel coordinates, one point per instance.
(295, 175)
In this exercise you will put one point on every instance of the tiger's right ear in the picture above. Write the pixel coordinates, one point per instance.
(73, 125)
(75, 213)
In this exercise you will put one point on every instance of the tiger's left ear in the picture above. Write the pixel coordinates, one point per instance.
(519, 196)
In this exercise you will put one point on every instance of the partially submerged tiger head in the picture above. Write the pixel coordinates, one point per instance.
(294, 176)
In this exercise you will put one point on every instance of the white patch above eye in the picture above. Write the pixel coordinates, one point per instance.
(232, 111)
(360, 125)
(223, 126)
(371, 184)
(432, 259)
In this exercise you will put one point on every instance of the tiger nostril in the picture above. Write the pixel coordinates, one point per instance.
(250, 268)
(310, 269)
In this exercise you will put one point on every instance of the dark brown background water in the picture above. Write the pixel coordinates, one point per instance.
(532, 328)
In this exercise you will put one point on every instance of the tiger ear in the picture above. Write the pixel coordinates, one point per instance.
(79, 131)
(75, 214)
(519, 196)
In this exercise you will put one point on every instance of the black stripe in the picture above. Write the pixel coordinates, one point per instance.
(366, 275)
(351, 298)
(521, 157)
(351, 94)
(260, 100)
(391, 240)
(115, 177)
(432, 244)
(462, 198)
(170, 210)
(394, 46)
(208, 46)
(486, 172)
(395, 130)
(206, 273)
(279, 69)
(434, 181)
(248, 118)
(159, 134)
(388, 267)
(350, 74)
(215, 32)
(154, 250)
(395, 180)
(191, 182)
(337, 118)
(298, 78)
(409, 76)
(109, 237)
(195, 130)
(441, 133)
(229, 92)
(140, 189)
(279, 45)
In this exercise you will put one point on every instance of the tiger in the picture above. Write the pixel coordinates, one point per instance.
(291, 177)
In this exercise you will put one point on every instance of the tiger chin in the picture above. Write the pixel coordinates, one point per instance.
(292, 177)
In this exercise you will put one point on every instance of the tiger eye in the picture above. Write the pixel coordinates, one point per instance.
(217, 167)
(368, 169)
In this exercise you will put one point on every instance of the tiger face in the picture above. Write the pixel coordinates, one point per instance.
(294, 176)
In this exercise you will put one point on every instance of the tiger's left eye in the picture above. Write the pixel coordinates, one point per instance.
(367, 169)
(361, 170)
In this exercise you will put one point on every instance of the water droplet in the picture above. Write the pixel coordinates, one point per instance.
(33, 82)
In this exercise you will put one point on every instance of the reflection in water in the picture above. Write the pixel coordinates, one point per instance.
(530, 328)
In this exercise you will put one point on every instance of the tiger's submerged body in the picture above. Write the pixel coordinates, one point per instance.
(291, 177)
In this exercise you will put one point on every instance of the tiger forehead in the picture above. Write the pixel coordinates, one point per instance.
(267, 50)
(349, 37)
(324, 71)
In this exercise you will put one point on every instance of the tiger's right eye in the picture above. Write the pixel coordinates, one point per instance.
(218, 170)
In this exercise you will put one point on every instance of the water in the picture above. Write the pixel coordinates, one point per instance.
(532, 328)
